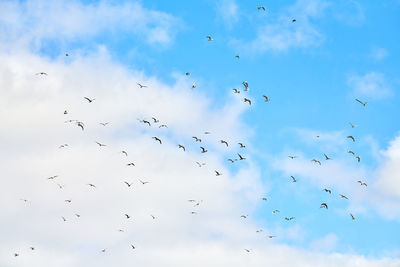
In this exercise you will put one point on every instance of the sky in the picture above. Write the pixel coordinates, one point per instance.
(180, 213)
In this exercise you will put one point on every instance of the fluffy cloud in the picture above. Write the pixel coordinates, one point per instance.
(371, 85)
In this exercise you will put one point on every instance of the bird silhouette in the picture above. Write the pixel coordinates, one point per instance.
(294, 179)
(127, 216)
(236, 91)
(316, 161)
(196, 139)
(89, 100)
(91, 185)
(155, 120)
(241, 145)
(209, 38)
(351, 137)
(124, 152)
(343, 196)
(324, 205)
(358, 158)
(100, 144)
(141, 85)
(128, 184)
(352, 217)
(351, 152)
(200, 164)
(362, 103)
(246, 85)
(203, 150)
(130, 164)
(327, 190)
(294, 20)
(217, 173)
(52, 177)
(275, 211)
(247, 100)
(104, 123)
(241, 157)
(163, 126)
(157, 139)
(224, 142)
(41, 73)
(292, 157)
(181, 146)
(143, 182)
(327, 158)
(261, 8)
(362, 183)
(267, 99)
(80, 124)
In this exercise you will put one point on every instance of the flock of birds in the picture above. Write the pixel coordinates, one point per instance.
(197, 139)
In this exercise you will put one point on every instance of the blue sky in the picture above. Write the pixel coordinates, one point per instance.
(312, 69)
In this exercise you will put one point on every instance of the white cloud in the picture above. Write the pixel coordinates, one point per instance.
(227, 10)
(282, 34)
(371, 85)
(327, 243)
(35, 21)
(379, 53)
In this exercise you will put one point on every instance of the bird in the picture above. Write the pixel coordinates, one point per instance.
(259, 230)
(16, 254)
(351, 137)
(91, 185)
(343, 196)
(128, 184)
(209, 38)
(65, 112)
(155, 120)
(187, 73)
(100, 144)
(358, 158)
(241, 145)
(292, 157)
(196, 139)
(143, 182)
(232, 160)
(236, 91)
(80, 124)
(261, 8)
(133, 247)
(247, 100)
(66, 54)
(24, 200)
(271, 236)
(362, 103)
(104, 123)
(181, 146)
(63, 145)
(127, 216)
(352, 217)
(194, 85)
(63, 218)
(207, 133)
(324, 205)
(275, 211)
(52, 177)
(89, 100)
(264, 198)
(352, 125)
(267, 99)
(246, 85)
(77, 215)
(152, 216)
(362, 183)
(224, 142)
(60, 186)
(289, 218)
(130, 164)
(200, 164)
(203, 150)
(293, 20)
(103, 250)
(157, 139)
(247, 250)
(351, 152)
(68, 200)
(32, 248)
(217, 173)
(124, 152)
(327, 158)
(145, 121)
(244, 216)
(193, 212)
(237, 56)
(41, 73)
(141, 85)
(163, 126)
(327, 190)
(241, 157)
(294, 179)
(316, 161)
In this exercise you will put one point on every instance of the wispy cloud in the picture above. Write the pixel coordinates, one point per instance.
(371, 85)
(228, 11)
(378, 53)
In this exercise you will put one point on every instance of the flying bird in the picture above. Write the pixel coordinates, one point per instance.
(237, 56)
(292, 157)
(196, 139)
(89, 100)
(133, 247)
(52, 177)
(362, 103)
(294, 179)
(130, 164)
(91, 185)
(143, 182)
(246, 85)
(217, 173)
(351, 137)
(236, 91)
(155, 120)
(267, 99)
(63, 218)
(324, 205)
(247, 250)
(100, 144)
(327, 190)
(80, 124)
(232, 160)
(207, 133)
(187, 73)
(358, 158)
(157, 139)
(352, 125)
(127, 216)
(194, 85)
(275, 211)
(68, 200)
(104, 123)
(203, 150)
(65, 112)
(362, 183)
(261, 8)
(352, 217)
(293, 20)
(343, 196)
(264, 198)
(241, 145)
(124, 152)
(224, 142)
(209, 38)
(271, 236)
(247, 100)
(326, 157)
(241, 157)
(244, 216)
(200, 164)
(351, 152)
(181, 146)
(128, 184)
(163, 126)
(141, 85)
(41, 73)
(316, 161)
(289, 218)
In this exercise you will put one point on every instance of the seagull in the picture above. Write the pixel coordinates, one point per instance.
(244, 216)
(326, 157)
(259, 231)
(32, 248)
(163, 126)
(271, 236)
(152, 216)
(181, 146)
(196, 139)
(358, 158)
(247, 100)
(327, 190)
(60, 186)
(52, 177)
(209, 38)
(362, 183)
(343, 196)
(241, 157)
(24, 200)
(63, 218)
(91, 185)
(193, 212)
(294, 179)
(66, 54)
(217, 173)
(351, 152)
(324, 205)
(157, 139)
(289, 218)
(241, 145)
(292, 157)
(133, 247)
(267, 99)
(200, 164)
(362, 103)
(100, 144)
(261, 7)
(77, 215)
(203, 150)
(247, 250)
(104, 123)
(41, 73)
(80, 124)
(16, 254)
(143, 182)
(128, 184)
(236, 91)
(127, 216)
(316, 161)
(246, 85)
(103, 250)
(155, 120)
(144, 121)
(141, 85)
(232, 160)
(130, 164)
(352, 217)
(275, 211)
(124, 152)
(352, 125)
(351, 137)
(224, 142)
(89, 100)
